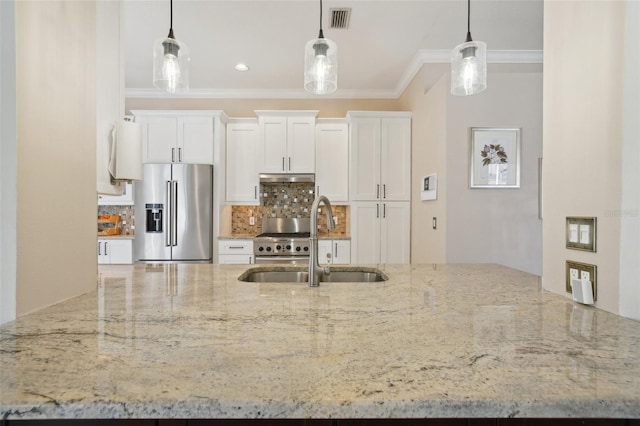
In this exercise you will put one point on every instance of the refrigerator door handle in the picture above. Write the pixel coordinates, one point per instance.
(174, 215)
(169, 217)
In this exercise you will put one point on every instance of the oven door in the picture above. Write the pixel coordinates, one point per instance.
(291, 260)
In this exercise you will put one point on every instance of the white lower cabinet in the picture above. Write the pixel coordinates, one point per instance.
(334, 252)
(115, 251)
(380, 232)
(235, 251)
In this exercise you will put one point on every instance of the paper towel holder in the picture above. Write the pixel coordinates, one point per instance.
(125, 159)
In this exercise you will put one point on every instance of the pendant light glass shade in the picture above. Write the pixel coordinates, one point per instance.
(321, 66)
(170, 61)
(469, 68)
(469, 64)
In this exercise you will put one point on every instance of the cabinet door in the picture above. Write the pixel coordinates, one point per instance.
(160, 137)
(273, 144)
(301, 155)
(365, 232)
(235, 259)
(325, 252)
(195, 140)
(365, 159)
(120, 251)
(341, 252)
(242, 171)
(395, 166)
(395, 232)
(332, 161)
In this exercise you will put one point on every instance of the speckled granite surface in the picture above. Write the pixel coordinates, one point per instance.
(190, 341)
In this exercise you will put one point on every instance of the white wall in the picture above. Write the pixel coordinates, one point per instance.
(630, 209)
(496, 225)
(109, 90)
(8, 162)
(583, 138)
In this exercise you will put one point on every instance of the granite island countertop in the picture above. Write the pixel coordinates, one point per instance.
(191, 341)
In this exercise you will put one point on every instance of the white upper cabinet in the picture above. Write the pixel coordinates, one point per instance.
(195, 140)
(286, 141)
(242, 184)
(176, 137)
(380, 156)
(332, 159)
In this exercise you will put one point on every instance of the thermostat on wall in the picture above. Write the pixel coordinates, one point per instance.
(429, 187)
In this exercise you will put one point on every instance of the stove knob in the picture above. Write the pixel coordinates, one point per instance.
(298, 248)
(278, 247)
(268, 248)
(260, 248)
(306, 249)
(288, 247)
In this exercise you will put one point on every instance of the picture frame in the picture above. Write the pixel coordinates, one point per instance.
(494, 158)
(581, 233)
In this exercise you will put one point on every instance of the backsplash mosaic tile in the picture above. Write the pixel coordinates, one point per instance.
(287, 200)
(127, 218)
(241, 220)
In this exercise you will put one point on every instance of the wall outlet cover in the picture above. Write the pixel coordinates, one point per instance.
(581, 272)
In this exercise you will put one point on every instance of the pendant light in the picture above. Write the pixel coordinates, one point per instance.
(170, 61)
(321, 64)
(469, 64)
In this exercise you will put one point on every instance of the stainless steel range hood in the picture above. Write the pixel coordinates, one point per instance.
(287, 177)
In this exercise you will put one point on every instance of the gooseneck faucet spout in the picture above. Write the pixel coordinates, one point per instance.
(314, 267)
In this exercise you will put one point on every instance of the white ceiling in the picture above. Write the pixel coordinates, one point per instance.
(385, 44)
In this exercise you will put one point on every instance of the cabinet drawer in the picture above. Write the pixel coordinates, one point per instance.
(235, 259)
(235, 247)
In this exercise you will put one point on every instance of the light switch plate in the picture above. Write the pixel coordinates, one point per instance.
(581, 233)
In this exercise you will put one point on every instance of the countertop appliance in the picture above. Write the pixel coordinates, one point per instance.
(174, 213)
(283, 240)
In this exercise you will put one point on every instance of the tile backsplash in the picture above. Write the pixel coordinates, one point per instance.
(127, 220)
(286, 200)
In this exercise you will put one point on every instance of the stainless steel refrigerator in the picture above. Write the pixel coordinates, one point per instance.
(174, 213)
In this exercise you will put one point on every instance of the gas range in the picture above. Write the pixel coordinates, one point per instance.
(283, 241)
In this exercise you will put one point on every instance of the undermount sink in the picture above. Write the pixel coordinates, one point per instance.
(289, 274)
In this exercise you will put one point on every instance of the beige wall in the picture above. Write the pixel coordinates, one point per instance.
(583, 93)
(428, 155)
(328, 108)
(56, 224)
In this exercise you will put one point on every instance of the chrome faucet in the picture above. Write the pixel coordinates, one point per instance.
(314, 267)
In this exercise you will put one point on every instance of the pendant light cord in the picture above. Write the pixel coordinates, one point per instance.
(468, 22)
(171, 20)
(320, 35)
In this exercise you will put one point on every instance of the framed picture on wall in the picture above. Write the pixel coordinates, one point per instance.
(494, 158)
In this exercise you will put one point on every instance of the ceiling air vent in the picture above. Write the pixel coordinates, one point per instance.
(340, 18)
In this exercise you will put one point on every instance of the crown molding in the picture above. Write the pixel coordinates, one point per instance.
(425, 56)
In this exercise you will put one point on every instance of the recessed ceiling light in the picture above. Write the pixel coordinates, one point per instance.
(241, 67)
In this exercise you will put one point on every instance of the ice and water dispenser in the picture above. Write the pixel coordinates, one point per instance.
(154, 217)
